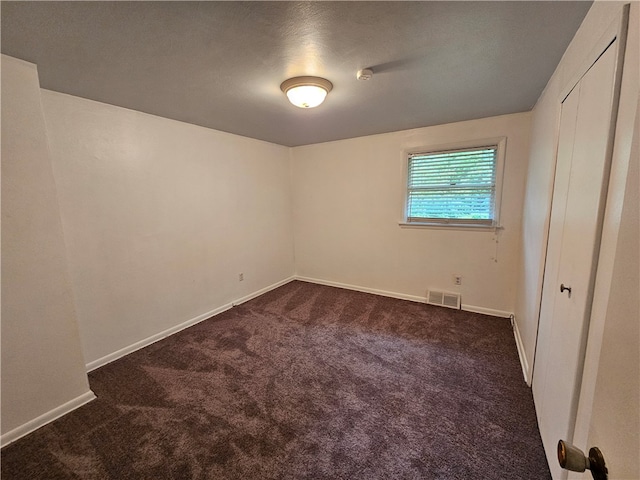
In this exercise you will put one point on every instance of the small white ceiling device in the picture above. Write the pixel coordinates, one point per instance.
(364, 74)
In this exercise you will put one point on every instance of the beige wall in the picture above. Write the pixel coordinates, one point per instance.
(160, 217)
(42, 365)
(348, 200)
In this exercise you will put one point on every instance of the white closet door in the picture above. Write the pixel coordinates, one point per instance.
(574, 238)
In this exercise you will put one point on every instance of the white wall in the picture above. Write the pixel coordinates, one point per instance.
(348, 196)
(43, 372)
(609, 405)
(615, 422)
(609, 409)
(160, 217)
(541, 169)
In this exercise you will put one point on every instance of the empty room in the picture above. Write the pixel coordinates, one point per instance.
(320, 240)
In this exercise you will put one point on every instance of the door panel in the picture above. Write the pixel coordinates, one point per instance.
(574, 237)
(568, 120)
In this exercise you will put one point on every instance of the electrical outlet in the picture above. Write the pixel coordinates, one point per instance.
(240, 277)
(457, 279)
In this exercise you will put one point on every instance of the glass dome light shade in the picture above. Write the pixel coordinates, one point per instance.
(306, 96)
(306, 92)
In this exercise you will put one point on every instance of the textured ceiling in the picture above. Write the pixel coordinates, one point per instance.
(220, 64)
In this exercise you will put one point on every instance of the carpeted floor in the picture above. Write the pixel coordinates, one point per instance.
(304, 382)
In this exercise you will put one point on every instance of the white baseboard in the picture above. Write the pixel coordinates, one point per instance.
(175, 329)
(385, 293)
(154, 338)
(486, 311)
(358, 288)
(253, 295)
(521, 353)
(45, 418)
(401, 296)
(414, 298)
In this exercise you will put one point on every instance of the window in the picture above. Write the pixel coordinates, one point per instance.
(455, 186)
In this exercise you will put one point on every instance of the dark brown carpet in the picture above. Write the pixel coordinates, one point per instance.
(304, 382)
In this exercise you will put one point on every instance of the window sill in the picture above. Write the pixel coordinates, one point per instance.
(451, 226)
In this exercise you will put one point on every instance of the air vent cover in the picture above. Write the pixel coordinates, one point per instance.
(443, 299)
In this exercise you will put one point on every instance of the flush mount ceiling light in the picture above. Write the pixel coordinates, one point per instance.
(306, 92)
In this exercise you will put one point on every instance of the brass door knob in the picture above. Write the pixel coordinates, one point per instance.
(572, 458)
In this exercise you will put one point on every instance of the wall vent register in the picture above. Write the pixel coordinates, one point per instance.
(443, 299)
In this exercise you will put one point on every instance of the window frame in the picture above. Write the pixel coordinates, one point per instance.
(499, 142)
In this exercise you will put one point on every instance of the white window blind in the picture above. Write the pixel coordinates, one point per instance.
(453, 186)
